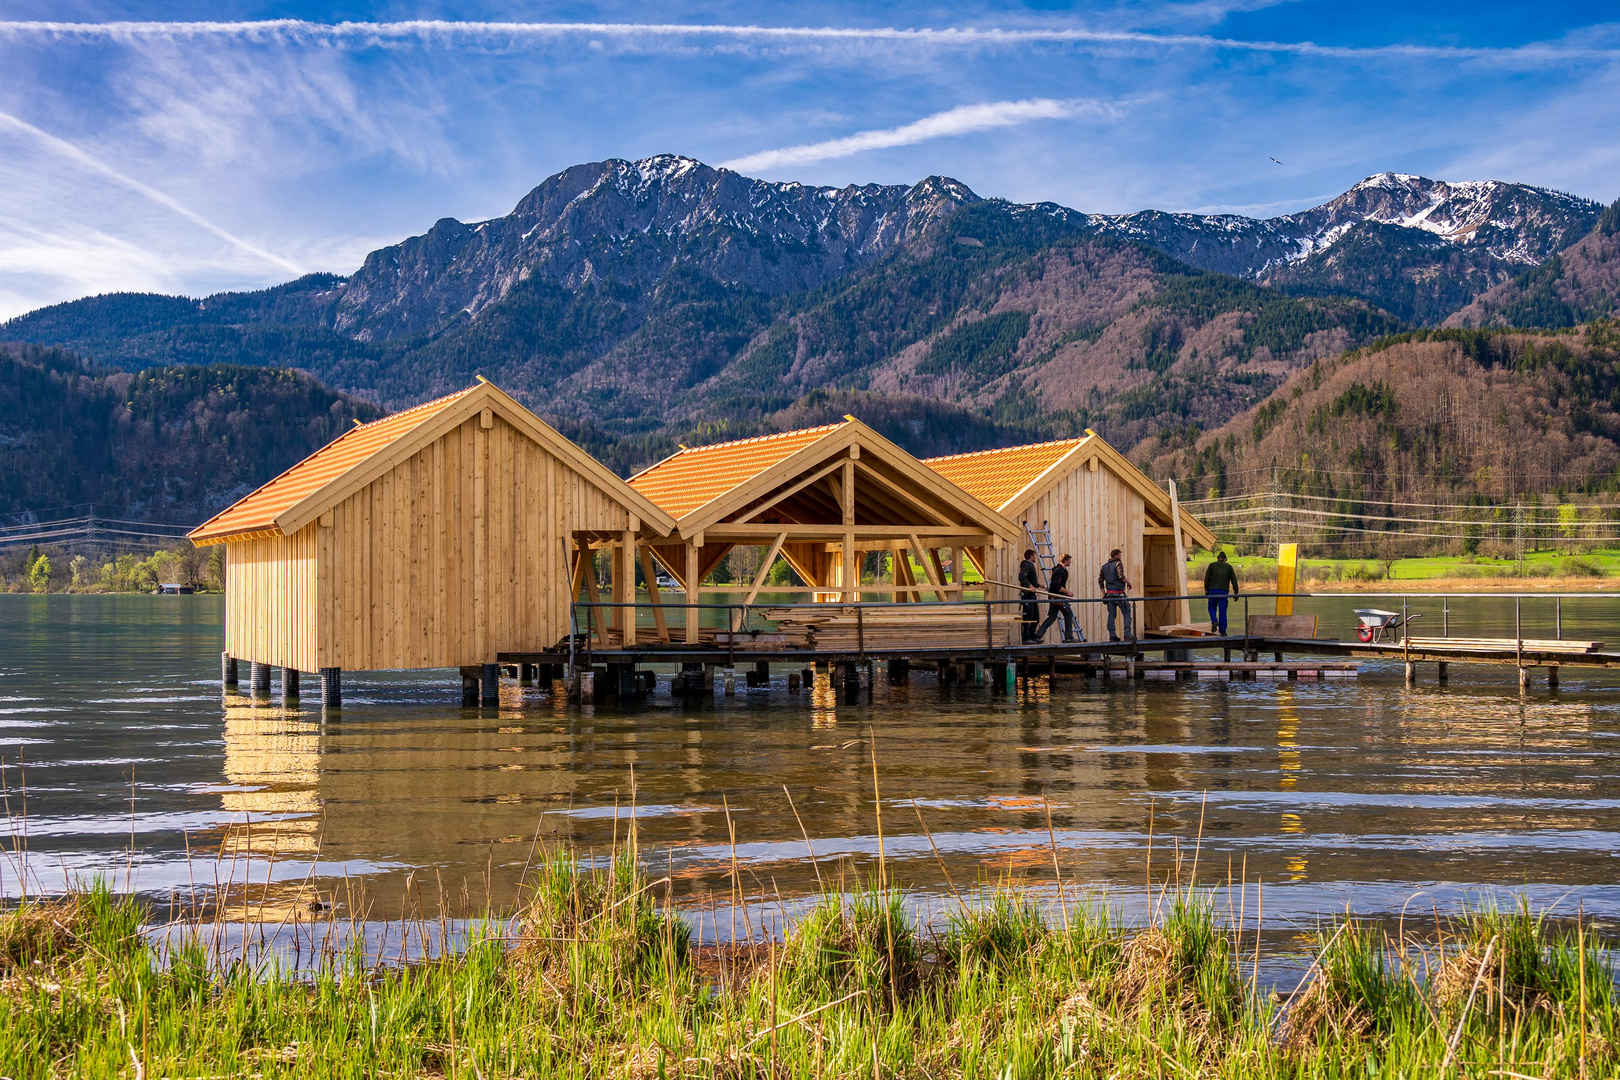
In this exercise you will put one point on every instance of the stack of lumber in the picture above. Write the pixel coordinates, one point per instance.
(1563, 645)
(786, 637)
(944, 626)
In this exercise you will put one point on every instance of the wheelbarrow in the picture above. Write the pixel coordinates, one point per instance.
(1376, 622)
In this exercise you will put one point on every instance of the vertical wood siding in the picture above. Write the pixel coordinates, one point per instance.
(1090, 513)
(454, 555)
(271, 600)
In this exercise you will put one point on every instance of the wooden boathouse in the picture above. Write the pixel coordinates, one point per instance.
(822, 499)
(1093, 500)
(438, 537)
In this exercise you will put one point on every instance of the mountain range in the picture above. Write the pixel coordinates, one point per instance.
(641, 303)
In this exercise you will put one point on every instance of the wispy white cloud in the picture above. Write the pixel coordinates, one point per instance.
(93, 164)
(962, 120)
(431, 31)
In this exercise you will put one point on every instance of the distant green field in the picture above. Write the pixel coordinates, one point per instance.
(1538, 564)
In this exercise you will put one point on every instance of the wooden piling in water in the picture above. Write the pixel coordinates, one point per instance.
(289, 683)
(331, 688)
(489, 685)
(227, 670)
(259, 679)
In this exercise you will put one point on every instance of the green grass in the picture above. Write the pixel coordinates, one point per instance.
(1325, 573)
(597, 977)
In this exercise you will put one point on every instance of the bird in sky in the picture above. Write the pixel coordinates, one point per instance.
(1274, 159)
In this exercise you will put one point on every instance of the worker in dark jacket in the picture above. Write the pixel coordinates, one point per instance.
(1115, 588)
(1029, 582)
(1059, 607)
(1220, 582)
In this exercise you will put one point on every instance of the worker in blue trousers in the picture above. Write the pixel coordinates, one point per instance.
(1220, 583)
(1116, 588)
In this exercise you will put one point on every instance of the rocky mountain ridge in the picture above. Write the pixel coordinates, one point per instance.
(639, 300)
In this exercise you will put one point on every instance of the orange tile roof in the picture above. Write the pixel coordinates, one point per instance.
(692, 477)
(994, 476)
(257, 512)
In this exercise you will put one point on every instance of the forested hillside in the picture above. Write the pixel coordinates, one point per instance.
(1432, 412)
(169, 443)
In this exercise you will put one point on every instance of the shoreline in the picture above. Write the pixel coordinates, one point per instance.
(598, 976)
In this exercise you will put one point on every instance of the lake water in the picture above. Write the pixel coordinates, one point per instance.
(122, 758)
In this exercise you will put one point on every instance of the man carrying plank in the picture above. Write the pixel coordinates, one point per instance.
(1058, 587)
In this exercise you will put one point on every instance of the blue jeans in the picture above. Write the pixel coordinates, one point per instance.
(1217, 610)
(1117, 604)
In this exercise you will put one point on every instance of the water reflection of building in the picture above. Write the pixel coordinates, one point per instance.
(459, 798)
(272, 770)
(271, 778)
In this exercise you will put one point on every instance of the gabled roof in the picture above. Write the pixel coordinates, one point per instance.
(362, 454)
(700, 486)
(995, 476)
(1011, 478)
(692, 476)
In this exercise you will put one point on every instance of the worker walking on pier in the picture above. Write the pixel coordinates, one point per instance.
(1115, 586)
(1059, 587)
(1220, 583)
(1029, 581)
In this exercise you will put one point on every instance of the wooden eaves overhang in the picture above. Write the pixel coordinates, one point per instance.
(366, 452)
(1028, 472)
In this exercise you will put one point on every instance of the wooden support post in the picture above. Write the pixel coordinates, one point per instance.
(1411, 674)
(593, 594)
(227, 670)
(489, 684)
(289, 683)
(691, 593)
(654, 596)
(1184, 605)
(1524, 678)
(331, 688)
(1552, 677)
(624, 584)
(851, 592)
(259, 679)
(1442, 671)
(852, 682)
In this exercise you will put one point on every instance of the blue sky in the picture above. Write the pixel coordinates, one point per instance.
(143, 148)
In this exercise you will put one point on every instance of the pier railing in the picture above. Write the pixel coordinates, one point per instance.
(730, 626)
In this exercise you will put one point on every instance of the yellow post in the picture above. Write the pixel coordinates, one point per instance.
(1287, 562)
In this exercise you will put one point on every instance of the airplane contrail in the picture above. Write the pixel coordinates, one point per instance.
(69, 150)
(961, 120)
(966, 36)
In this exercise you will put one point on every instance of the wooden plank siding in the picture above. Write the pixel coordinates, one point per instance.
(271, 600)
(451, 556)
(1090, 513)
